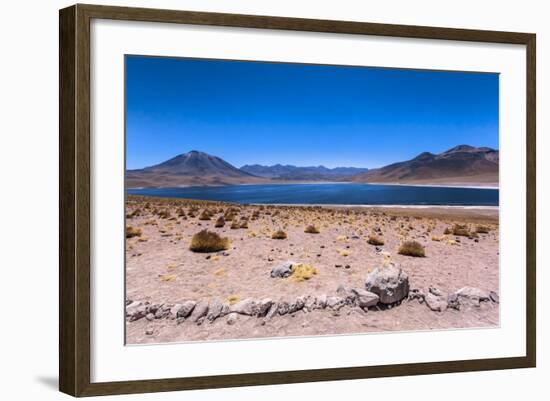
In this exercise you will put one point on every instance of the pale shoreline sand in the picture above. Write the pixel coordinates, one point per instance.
(374, 206)
(458, 185)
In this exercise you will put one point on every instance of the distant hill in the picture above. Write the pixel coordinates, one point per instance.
(313, 173)
(192, 168)
(462, 164)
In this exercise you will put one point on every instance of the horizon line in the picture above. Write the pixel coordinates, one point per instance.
(305, 166)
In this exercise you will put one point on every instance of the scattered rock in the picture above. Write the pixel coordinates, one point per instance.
(283, 308)
(214, 310)
(390, 283)
(200, 311)
(136, 310)
(264, 306)
(149, 332)
(297, 305)
(153, 308)
(174, 310)
(347, 294)
(322, 301)
(416, 294)
(436, 303)
(272, 311)
(162, 313)
(453, 302)
(310, 304)
(150, 317)
(186, 309)
(435, 291)
(232, 318)
(336, 303)
(365, 299)
(283, 270)
(494, 297)
(245, 307)
(472, 294)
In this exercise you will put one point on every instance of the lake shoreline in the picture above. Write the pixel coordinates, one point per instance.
(334, 194)
(428, 185)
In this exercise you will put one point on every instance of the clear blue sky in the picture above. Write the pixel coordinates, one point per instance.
(268, 113)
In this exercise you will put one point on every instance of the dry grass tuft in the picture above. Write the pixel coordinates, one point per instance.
(375, 240)
(132, 232)
(279, 234)
(164, 214)
(342, 252)
(302, 272)
(205, 215)
(220, 222)
(233, 299)
(480, 229)
(461, 230)
(412, 248)
(207, 241)
(168, 277)
(220, 272)
(311, 230)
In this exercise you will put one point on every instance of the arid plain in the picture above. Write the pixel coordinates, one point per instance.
(272, 271)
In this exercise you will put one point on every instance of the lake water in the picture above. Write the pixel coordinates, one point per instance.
(332, 194)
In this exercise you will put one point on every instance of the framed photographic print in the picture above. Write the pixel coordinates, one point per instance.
(250, 200)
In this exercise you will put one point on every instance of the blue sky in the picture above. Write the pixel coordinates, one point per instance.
(268, 113)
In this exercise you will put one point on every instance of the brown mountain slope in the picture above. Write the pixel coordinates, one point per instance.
(192, 168)
(461, 165)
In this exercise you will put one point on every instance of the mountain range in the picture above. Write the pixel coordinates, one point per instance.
(293, 173)
(462, 164)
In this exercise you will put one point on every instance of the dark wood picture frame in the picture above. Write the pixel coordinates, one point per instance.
(74, 199)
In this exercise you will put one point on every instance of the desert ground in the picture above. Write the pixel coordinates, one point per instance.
(242, 290)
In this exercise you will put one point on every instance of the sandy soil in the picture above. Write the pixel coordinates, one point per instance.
(160, 268)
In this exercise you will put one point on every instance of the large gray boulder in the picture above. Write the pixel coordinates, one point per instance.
(390, 283)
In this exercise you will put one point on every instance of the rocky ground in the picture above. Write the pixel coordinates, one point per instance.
(330, 282)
